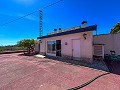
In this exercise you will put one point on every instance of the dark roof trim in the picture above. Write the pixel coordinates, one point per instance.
(90, 28)
(98, 44)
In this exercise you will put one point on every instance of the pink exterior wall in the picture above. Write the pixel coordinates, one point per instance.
(86, 46)
(37, 47)
(117, 43)
(111, 41)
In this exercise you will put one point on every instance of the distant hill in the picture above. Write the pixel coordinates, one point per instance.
(11, 48)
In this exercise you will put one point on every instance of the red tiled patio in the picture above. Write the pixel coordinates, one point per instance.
(19, 72)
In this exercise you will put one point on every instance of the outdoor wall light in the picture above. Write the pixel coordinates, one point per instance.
(66, 43)
(85, 36)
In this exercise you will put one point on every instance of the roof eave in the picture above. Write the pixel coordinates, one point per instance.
(89, 28)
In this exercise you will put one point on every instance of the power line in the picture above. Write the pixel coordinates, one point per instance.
(41, 17)
(52, 4)
(30, 13)
(19, 18)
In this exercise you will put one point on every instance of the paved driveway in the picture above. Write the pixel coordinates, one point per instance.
(19, 72)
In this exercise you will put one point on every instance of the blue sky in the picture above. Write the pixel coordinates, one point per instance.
(68, 13)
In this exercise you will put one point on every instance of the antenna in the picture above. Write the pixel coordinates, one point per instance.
(41, 16)
(41, 23)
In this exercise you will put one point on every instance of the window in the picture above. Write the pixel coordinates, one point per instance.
(51, 47)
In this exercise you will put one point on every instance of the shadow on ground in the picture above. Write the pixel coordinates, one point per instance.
(97, 64)
(114, 67)
(25, 54)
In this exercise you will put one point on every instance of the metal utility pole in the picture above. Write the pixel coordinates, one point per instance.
(41, 23)
(41, 16)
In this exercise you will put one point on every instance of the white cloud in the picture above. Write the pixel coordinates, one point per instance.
(7, 42)
(17, 15)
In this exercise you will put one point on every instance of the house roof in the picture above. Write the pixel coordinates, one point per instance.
(79, 30)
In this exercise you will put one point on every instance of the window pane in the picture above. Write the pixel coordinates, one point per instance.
(51, 47)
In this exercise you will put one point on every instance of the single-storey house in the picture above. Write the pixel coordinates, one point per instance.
(73, 43)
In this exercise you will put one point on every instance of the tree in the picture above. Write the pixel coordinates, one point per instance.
(115, 29)
(27, 43)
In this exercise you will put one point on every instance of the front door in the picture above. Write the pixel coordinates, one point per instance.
(58, 47)
(76, 48)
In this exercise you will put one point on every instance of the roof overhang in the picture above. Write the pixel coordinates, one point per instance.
(98, 44)
(89, 28)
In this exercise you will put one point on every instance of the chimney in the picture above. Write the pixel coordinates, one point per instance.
(84, 24)
(55, 31)
(60, 30)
